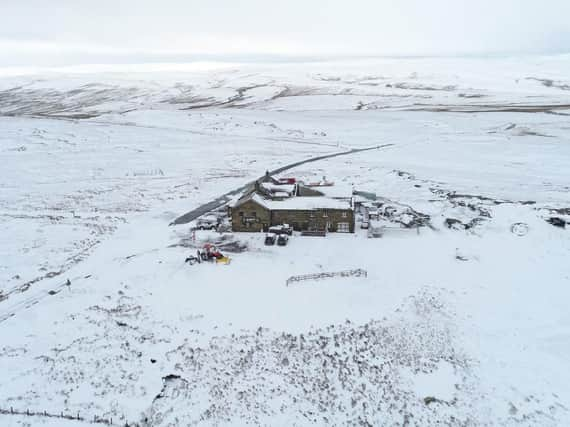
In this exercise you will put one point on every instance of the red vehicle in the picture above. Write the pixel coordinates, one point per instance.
(287, 180)
(210, 253)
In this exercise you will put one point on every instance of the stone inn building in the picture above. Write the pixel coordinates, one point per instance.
(253, 212)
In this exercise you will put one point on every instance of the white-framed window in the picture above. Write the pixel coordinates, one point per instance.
(344, 214)
(343, 227)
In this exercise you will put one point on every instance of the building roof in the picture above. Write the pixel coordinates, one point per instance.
(286, 188)
(296, 203)
(253, 196)
(306, 203)
(336, 191)
(281, 194)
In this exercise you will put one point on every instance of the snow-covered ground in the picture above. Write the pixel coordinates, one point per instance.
(451, 326)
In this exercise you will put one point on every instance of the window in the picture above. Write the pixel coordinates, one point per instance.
(254, 214)
(344, 214)
(343, 227)
(241, 213)
(325, 214)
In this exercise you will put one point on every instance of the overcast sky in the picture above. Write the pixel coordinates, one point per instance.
(56, 32)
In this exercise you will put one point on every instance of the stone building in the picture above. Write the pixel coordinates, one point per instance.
(256, 213)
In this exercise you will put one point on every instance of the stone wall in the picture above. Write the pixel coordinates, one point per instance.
(318, 219)
(250, 216)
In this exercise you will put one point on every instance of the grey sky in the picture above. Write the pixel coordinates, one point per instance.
(41, 32)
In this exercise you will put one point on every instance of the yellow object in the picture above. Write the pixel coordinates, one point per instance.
(223, 260)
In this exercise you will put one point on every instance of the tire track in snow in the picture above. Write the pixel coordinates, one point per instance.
(31, 300)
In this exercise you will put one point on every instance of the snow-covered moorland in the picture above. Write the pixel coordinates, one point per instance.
(461, 322)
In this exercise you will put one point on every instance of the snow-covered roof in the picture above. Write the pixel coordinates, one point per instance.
(253, 196)
(281, 194)
(336, 191)
(286, 188)
(307, 203)
(234, 200)
(297, 203)
(359, 199)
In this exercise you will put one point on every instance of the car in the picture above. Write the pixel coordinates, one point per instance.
(208, 222)
(373, 214)
(282, 240)
(281, 229)
(270, 239)
(364, 225)
(275, 229)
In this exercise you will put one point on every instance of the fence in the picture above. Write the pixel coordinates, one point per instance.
(76, 417)
(316, 276)
(314, 233)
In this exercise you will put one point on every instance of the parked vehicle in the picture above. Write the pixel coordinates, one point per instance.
(211, 253)
(282, 240)
(373, 214)
(209, 222)
(287, 180)
(364, 225)
(270, 239)
(281, 229)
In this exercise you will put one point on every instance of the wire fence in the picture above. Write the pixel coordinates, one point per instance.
(327, 275)
(91, 419)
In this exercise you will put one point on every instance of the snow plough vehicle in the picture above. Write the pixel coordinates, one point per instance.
(208, 253)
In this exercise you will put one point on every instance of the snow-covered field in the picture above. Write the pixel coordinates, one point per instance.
(451, 326)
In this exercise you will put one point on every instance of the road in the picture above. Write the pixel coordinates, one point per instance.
(222, 200)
